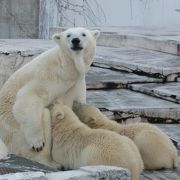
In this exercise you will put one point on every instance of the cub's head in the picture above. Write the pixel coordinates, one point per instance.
(88, 114)
(61, 112)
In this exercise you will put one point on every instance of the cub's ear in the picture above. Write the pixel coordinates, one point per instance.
(95, 33)
(56, 37)
(60, 115)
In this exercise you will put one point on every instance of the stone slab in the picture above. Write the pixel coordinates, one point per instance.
(25, 47)
(173, 130)
(91, 173)
(69, 175)
(19, 19)
(107, 172)
(138, 60)
(127, 102)
(14, 53)
(167, 91)
(100, 78)
(24, 176)
(14, 163)
(162, 174)
(158, 39)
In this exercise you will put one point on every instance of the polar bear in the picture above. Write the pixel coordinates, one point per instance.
(56, 73)
(21, 147)
(75, 144)
(155, 147)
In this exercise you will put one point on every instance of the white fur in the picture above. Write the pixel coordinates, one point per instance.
(3, 150)
(76, 145)
(56, 73)
(155, 147)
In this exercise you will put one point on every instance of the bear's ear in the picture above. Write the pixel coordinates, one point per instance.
(95, 33)
(56, 37)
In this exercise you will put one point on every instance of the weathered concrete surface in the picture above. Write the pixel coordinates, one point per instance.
(162, 174)
(25, 46)
(107, 172)
(16, 168)
(138, 60)
(24, 176)
(162, 39)
(100, 78)
(173, 130)
(91, 173)
(19, 18)
(125, 102)
(14, 53)
(15, 163)
(168, 91)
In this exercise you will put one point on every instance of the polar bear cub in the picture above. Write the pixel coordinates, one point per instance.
(76, 145)
(56, 73)
(155, 147)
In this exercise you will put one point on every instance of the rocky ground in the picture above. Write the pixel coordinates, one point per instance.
(134, 77)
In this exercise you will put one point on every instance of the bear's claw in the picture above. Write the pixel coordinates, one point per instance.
(38, 148)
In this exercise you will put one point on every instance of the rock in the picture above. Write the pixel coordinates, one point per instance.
(134, 104)
(158, 39)
(24, 176)
(100, 78)
(92, 173)
(139, 61)
(168, 91)
(14, 53)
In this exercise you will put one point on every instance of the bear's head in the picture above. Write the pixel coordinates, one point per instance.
(78, 43)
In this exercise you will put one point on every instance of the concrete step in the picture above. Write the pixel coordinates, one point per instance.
(158, 39)
(100, 78)
(167, 91)
(139, 61)
(14, 53)
(128, 106)
(173, 131)
(16, 168)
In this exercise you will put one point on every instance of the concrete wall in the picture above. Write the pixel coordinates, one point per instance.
(146, 13)
(19, 18)
(28, 18)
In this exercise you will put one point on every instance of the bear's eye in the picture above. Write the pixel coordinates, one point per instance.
(83, 34)
(68, 35)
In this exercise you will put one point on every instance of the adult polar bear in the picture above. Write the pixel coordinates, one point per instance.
(56, 73)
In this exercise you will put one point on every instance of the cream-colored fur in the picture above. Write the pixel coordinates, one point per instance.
(155, 147)
(76, 145)
(56, 73)
(3, 150)
(21, 147)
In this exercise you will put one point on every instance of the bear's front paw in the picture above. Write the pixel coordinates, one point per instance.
(35, 138)
(38, 146)
(37, 143)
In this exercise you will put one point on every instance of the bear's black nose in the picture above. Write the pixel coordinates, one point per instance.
(75, 41)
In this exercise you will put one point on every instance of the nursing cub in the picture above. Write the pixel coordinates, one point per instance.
(156, 149)
(76, 145)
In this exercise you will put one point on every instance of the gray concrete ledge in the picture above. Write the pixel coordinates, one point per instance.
(162, 39)
(84, 173)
